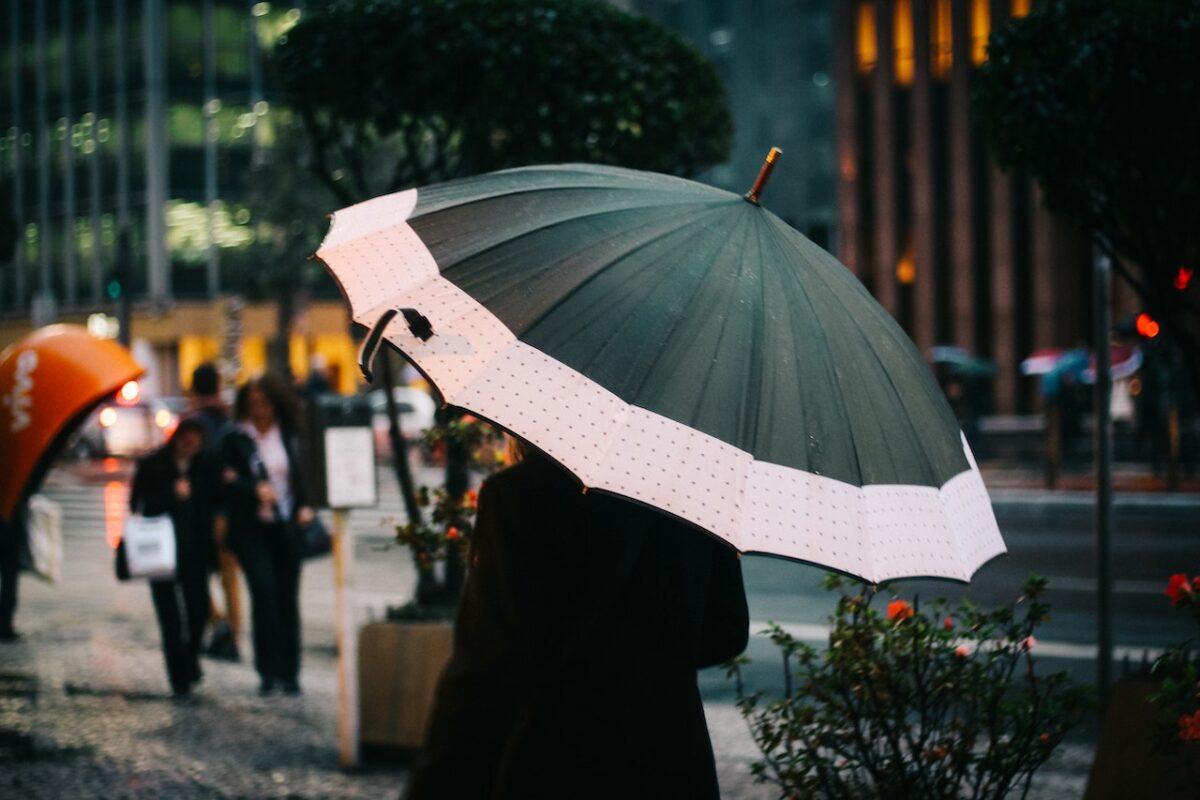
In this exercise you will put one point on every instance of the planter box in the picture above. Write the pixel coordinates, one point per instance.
(399, 665)
(1124, 767)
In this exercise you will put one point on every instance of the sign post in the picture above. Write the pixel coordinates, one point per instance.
(346, 447)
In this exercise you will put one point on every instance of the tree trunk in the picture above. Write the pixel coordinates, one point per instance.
(279, 358)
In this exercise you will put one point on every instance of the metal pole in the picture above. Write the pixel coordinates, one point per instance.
(1104, 580)
(347, 646)
(43, 305)
(92, 148)
(20, 129)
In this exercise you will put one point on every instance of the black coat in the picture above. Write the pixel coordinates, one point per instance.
(582, 624)
(240, 500)
(153, 493)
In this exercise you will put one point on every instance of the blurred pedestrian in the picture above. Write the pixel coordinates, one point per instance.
(265, 502)
(582, 624)
(13, 537)
(209, 407)
(176, 479)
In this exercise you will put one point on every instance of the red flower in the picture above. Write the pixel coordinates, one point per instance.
(1028, 643)
(899, 610)
(1179, 588)
(452, 533)
(962, 651)
(948, 623)
(1189, 727)
(472, 498)
(1044, 738)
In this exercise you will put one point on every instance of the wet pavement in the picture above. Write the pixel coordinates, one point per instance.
(85, 708)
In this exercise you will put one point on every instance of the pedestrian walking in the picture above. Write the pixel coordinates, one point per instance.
(176, 480)
(209, 407)
(12, 543)
(583, 621)
(265, 503)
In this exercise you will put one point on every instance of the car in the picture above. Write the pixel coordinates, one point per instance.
(125, 427)
(415, 408)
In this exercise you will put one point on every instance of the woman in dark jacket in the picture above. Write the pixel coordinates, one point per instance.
(582, 624)
(265, 500)
(175, 479)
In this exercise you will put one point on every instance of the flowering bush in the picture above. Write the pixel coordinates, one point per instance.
(1178, 674)
(448, 517)
(941, 702)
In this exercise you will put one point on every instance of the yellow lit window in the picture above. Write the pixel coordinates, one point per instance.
(981, 26)
(902, 41)
(941, 39)
(866, 48)
(1020, 8)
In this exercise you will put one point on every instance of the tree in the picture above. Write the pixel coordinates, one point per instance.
(1100, 102)
(395, 94)
(288, 212)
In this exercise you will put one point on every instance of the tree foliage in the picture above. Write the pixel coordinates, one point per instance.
(395, 94)
(1100, 102)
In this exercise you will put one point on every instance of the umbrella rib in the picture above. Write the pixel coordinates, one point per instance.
(899, 396)
(616, 328)
(652, 368)
(802, 347)
(548, 226)
(712, 364)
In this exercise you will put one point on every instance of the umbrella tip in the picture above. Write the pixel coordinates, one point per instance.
(763, 175)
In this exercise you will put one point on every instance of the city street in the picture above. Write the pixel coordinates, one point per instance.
(84, 703)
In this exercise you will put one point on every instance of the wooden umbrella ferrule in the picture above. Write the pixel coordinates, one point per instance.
(763, 175)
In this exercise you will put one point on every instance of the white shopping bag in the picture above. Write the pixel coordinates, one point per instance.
(149, 544)
(45, 537)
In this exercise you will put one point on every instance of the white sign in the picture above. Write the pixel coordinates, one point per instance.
(350, 467)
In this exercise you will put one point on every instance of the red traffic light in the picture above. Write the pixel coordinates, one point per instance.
(1146, 325)
(1183, 277)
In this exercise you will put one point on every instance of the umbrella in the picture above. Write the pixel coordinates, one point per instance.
(49, 381)
(678, 345)
(960, 362)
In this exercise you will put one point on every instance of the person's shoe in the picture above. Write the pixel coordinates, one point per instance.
(291, 687)
(223, 645)
(266, 687)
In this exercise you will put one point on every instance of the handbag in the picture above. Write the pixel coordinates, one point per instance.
(147, 548)
(313, 539)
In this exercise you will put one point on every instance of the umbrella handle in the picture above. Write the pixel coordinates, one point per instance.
(418, 324)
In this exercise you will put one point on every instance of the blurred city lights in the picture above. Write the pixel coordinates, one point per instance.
(1183, 277)
(1146, 325)
(129, 392)
(108, 417)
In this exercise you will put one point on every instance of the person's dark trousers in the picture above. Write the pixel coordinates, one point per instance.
(10, 567)
(182, 609)
(272, 567)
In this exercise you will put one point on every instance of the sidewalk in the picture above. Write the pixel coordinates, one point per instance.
(85, 712)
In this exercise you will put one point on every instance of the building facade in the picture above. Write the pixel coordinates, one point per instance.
(959, 251)
(128, 129)
(775, 60)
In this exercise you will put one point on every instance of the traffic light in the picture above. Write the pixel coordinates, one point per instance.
(114, 288)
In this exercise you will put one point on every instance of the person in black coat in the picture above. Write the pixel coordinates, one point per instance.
(175, 479)
(582, 624)
(265, 501)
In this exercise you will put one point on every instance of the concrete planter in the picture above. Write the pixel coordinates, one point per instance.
(1125, 767)
(399, 664)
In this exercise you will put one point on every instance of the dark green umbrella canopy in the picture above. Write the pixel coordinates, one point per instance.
(696, 304)
(679, 345)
